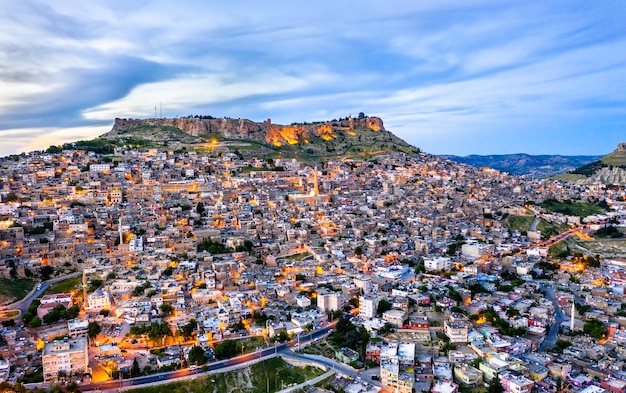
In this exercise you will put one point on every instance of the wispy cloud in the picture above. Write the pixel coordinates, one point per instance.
(448, 76)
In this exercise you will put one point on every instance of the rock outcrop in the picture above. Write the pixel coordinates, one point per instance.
(246, 129)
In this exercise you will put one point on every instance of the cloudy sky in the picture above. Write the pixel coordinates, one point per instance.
(452, 77)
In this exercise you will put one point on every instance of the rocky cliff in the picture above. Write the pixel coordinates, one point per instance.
(274, 134)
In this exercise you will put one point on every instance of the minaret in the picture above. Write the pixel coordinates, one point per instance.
(119, 227)
(571, 323)
(84, 290)
(316, 183)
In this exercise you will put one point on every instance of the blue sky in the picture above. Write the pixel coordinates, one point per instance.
(451, 77)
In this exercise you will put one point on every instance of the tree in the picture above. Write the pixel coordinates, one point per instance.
(46, 272)
(383, 305)
(72, 387)
(227, 349)
(200, 209)
(166, 309)
(283, 336)
(35, 322)
(197, 355)
(61, 375)
(594, 328)
(94, 284)
(104, 312)
(93, 329)
(12, 197)
(495, 386)
(188, 329)
(135, 371)
(27, 317)
(559, 384)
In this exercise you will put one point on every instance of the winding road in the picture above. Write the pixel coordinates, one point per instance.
(242, 360)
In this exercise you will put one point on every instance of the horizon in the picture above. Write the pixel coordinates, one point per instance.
(453, 78)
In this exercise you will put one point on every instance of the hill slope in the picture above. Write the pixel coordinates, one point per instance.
(523, 164)
(610, 169)
(360, 137)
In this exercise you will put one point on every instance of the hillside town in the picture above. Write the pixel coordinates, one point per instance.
(416, 270)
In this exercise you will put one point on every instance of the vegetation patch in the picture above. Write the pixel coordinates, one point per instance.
(13, 290)
(567, 207)
(10, 314)
(616, 158)
(65, 286)
(589, 169)
(271, 375)
(519, 223)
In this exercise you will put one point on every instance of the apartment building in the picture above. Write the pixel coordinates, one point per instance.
(68, 357)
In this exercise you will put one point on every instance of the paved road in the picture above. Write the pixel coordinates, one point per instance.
(173, 375)
(338, 367)
(559, 317)
(533, 227)
(23, 304)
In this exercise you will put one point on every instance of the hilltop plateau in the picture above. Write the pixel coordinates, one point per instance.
(350, 137)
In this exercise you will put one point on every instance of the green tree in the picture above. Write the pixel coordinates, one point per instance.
(200, 209)
(283, 336)
(166, 308)
(135, 371)
(594, 328)
(35, 322)
(227, 349)
(27, 317)
(12, 197)
(197, 355)
(72, 387)
(93, 329)
(188, 329)
(383, 305)
(495, 386)
(46, 272)
(94, 284)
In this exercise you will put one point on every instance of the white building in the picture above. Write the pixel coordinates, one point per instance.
(135, 244)
(437, 264)
(303, 301)
(99, 300)
(456, 331)
(329, 302)
(99, 167)
(77, 327)
(68, 356)
(474, 249)
(395, 317)
(367, 307)
(396, 367)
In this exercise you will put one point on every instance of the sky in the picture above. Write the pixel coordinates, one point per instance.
(451, 77)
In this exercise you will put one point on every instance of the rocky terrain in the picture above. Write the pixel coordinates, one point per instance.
(610, 169)
(360, 137)
(265, 131)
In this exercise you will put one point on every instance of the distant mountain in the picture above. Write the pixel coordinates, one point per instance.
(527, 165)
(359, 137)
(610, 169)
